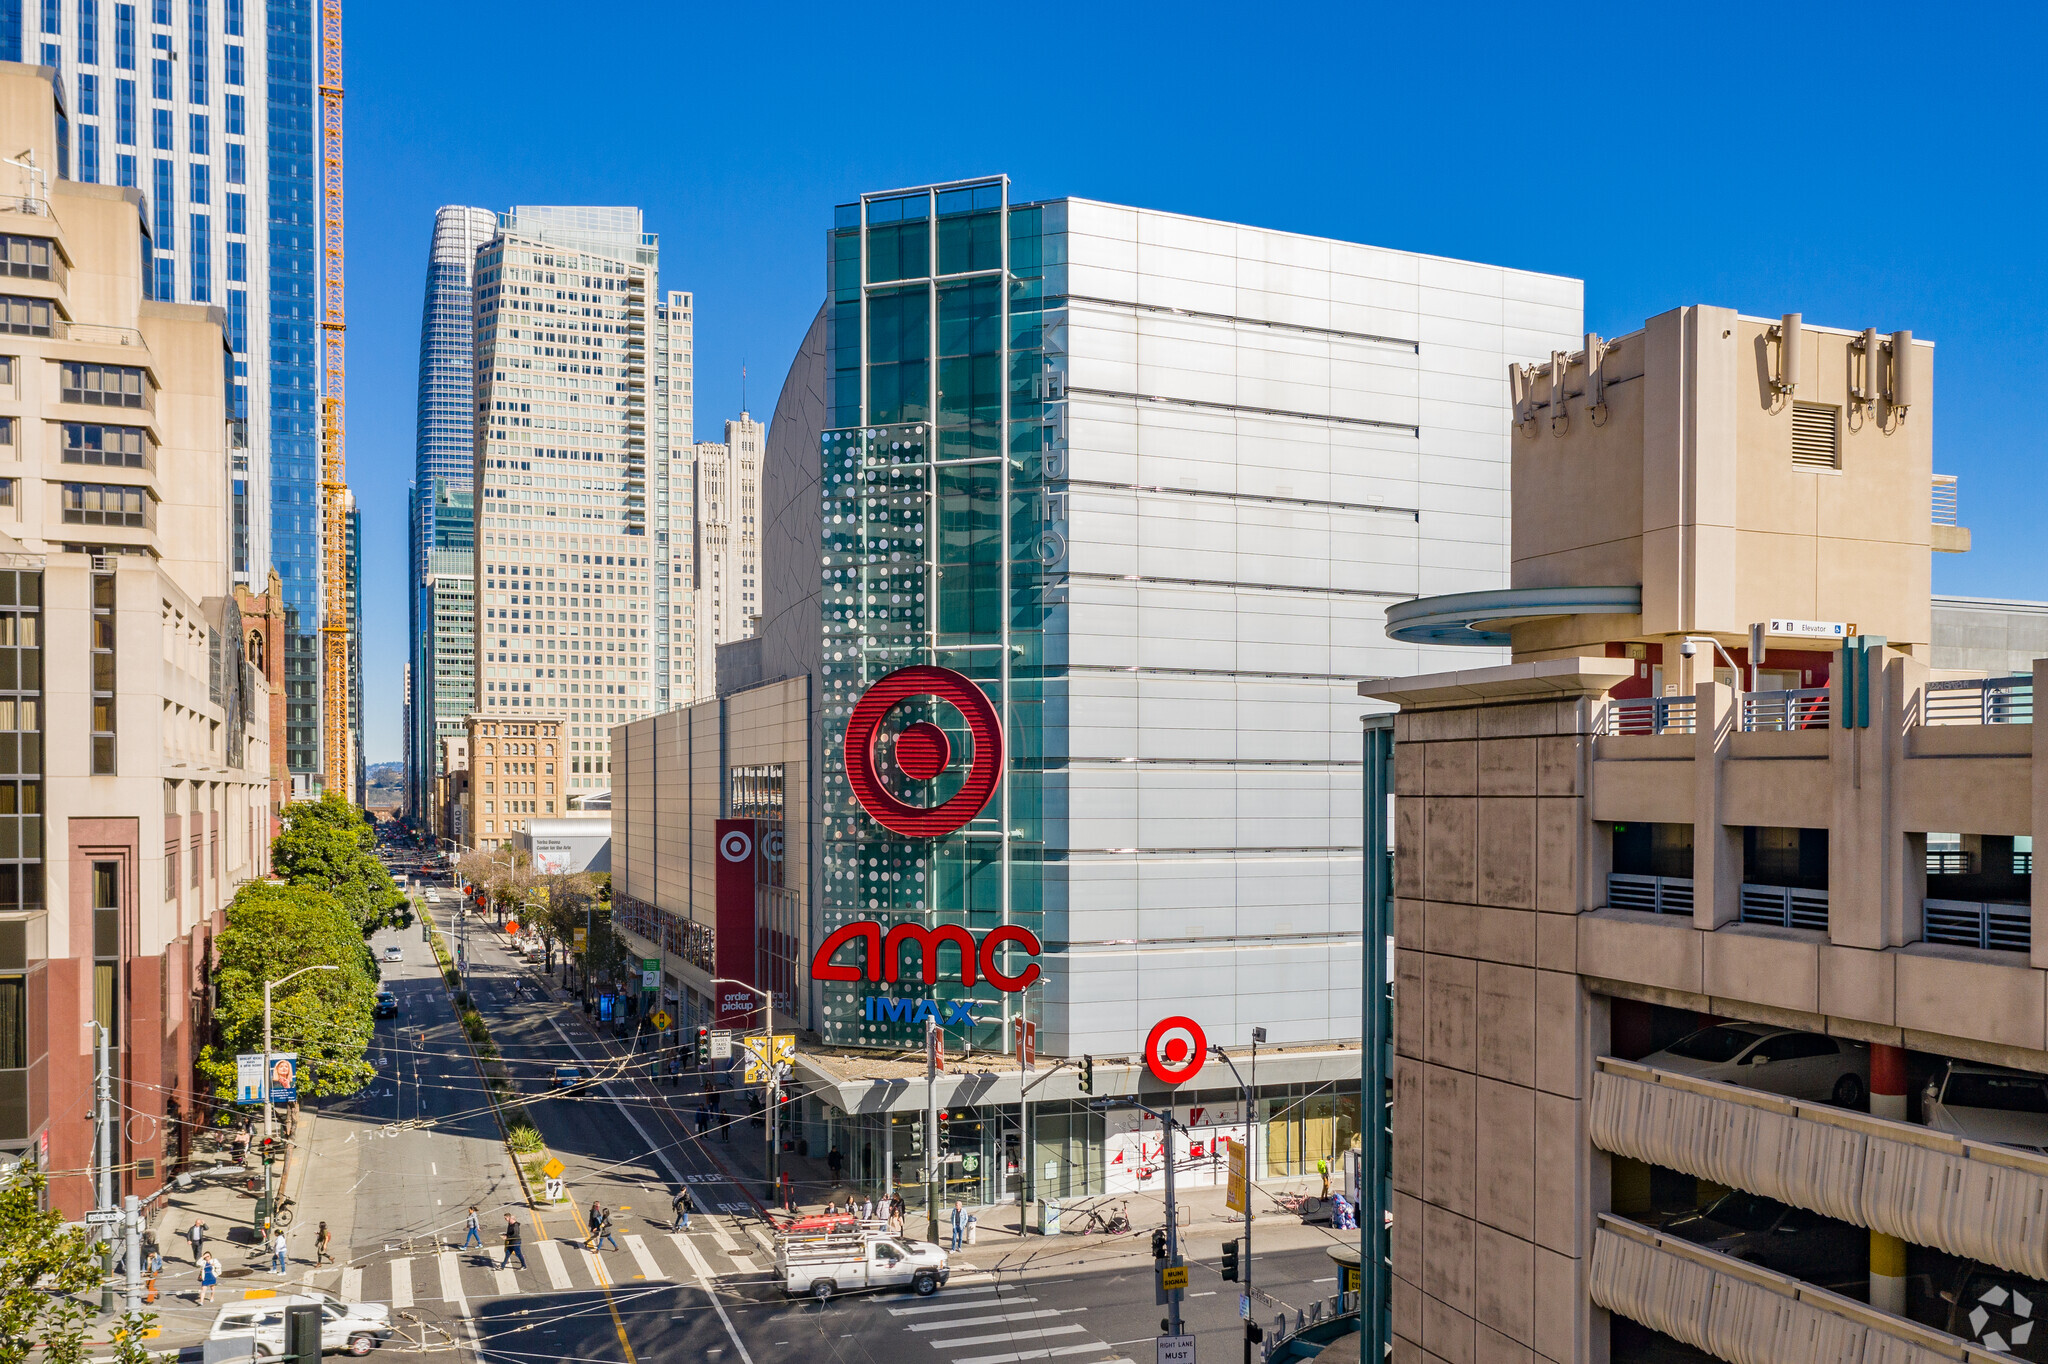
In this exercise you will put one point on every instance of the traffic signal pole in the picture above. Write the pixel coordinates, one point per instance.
(1170, 1296)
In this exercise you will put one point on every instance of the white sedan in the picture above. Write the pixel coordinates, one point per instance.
(1800, 1065)
(1988, 1103)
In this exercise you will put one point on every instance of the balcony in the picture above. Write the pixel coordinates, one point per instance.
(1650, 894)
(1981, 924)
(1784, 906)
(1945, 536)
(1766, 712)
(1651, 715)
(1979, 701)
(1968, 1198)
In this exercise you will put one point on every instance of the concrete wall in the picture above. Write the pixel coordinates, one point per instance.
(1981, 635)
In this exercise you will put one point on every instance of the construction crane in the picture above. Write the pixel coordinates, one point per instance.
(335, 625)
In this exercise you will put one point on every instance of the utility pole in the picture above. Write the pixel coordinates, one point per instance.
(131, 1220)
(266, 1208)
(1169, 1296)
(933, 1180)
(103, 1133)
(1250, 1154)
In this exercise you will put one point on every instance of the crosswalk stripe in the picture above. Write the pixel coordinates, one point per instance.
(508, 1283)
(1038, 1315)
(959, 1306)
(451, 1281)
(698, 1264)
(352, 1284)
(593, 1265)
(1054, 1352)
(955, 1306)
(401, 1281)
(551, 1260)
(725, 1241)
(1009, 1336)
(743, 1263)
(648, 1267)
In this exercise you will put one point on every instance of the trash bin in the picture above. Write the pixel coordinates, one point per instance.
(1049, 1217)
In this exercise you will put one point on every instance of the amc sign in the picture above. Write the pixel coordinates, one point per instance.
(884, 954)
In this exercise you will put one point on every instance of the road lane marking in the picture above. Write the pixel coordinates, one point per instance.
(1037, 1315)
(1053, 1352)
(698, 1265)
(551, 1260)
(725, 1242)
(646, 1262)
(401, 1281)
(508, 1283)
(451, 1282)
(958, 1306)
(352, 1284)
(1009, 1337)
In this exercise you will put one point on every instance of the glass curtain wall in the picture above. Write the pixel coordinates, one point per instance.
(934, 479)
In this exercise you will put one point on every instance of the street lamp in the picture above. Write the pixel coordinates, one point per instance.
(268, 986)
(768, 1065)
(1250, 1126)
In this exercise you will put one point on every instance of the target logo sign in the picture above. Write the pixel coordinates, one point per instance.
(923, 751)
(1175, 1049)
(736, 846)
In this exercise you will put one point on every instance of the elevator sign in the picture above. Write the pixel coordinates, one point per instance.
(1810, 629)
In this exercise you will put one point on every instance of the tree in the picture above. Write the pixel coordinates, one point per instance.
(324, 1016)
(327, 845)
(43, 1271)
(569, 897)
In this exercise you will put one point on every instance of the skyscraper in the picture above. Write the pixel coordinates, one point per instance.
(207, 107)
(676, 563)
(567, 604)
(729, 537)
(445, 449)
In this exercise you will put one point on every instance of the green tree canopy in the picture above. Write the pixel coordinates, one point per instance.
(329, 846)
(43, 1270)
(324, 1016)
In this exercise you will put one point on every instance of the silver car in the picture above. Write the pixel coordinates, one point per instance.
(1799, 1065)
(1988, 1103)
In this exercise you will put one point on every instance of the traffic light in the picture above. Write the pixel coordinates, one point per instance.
(1230, 1261)
(703, 1047)
(1087, 1075)
(1253, 1332)
(1159, 1244)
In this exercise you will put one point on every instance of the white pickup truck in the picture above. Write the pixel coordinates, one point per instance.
(853, 1261)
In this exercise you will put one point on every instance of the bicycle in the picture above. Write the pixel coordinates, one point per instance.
(286, 1209)
(1115, 1224)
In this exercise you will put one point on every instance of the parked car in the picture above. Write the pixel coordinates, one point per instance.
(387, 1005)
(1800, 1065)
(1778, 1236)
(357, 1327)
(1988, 1103)
(569, 1078)
(1998, 1311)
(394, 953)
(819, 1264)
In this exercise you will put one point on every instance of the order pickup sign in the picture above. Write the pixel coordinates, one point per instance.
(1176, 1350)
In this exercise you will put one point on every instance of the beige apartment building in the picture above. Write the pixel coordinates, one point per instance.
(729, 539)
(134, 730)
(516, 768)
(1721, 1017)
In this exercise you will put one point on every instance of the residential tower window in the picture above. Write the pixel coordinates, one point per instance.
(103, 679)
(27, 316)
(124, 447)
(99, 504)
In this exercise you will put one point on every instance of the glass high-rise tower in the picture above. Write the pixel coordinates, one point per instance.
(206, 106)
(444, 453)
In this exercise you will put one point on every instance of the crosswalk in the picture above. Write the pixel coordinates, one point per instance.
(554, 1264)
(984, 1325)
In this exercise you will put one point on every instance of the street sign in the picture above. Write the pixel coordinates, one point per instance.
(721, 1044)
(660, 1019)
(553, 1169)
(1176, 1350)
(1173, 1276)
(103, 1217)
(1811, 629)
(1244, 1306)
(283, 1077)
(577, 938)
(757, 1054)
(1027, 1043)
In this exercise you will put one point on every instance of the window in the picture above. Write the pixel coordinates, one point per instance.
(26, 257)
(124, 112)
(89, 34)
(238, 213)
(238, 315)
(102, 687)
(124, 447)
(124, 174)
(237, 171)
(104, 385)
(195, 51)
(164, 202)
(1816, 440)
(160, 129)
(88, 151)
(124, 37)
(88, 93)
(202, 258)
(202, 189)
(7, 491)
(238, 269)
(160, 78)
(231, 64)
(53, 16)
(13, 1022)
(235, 116)
(234, 18)
(27, 316)
(202, 144)
(95, 504)
(166, 278)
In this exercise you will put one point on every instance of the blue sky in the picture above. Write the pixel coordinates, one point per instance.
(1872, 166)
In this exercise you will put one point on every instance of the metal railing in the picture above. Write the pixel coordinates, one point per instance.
(1967, 923)
(1944, 499)
(1652, 894)
(1313, 1327)
(1768, 711)
(1950, 862)
(93, 333)
(1784, 906)
(1652, 715)
(1979, 701)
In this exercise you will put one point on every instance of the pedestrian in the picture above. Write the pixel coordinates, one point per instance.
(867, 1209)
(196, 1234)
(703, 1119)
(959, 1222)
(278, 1259)
(683, 1205)
(895, 1216)
(834, 1162)
(209, 1275)
(789, 1193)
(604, 1230)
(323, 1246)
(596, 1219)
(1323, 1169)
(512, 1243)
(152, 1261)
(475, 1236)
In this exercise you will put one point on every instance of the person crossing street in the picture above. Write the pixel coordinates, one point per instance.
(475, 1236)
(602, 1232)
(512, 1247)
(683, 1205)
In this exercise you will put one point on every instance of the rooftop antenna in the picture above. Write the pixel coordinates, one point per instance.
(743, 386)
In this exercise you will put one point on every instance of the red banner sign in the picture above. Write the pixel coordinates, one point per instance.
(738, 855)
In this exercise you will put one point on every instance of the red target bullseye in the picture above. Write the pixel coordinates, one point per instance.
(922, 751)
(1175, 1049)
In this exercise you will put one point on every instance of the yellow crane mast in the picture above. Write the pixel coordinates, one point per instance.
(335, 623)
